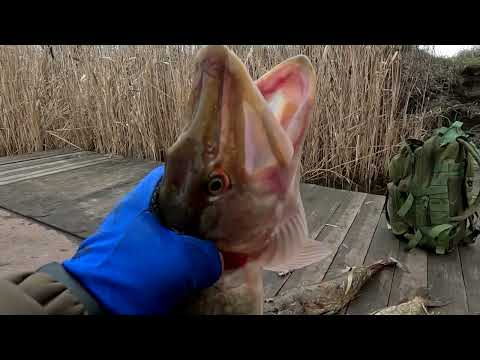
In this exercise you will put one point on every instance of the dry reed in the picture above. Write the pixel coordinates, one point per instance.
(128, 100)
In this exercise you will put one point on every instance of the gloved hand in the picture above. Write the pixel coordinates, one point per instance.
(133, 265)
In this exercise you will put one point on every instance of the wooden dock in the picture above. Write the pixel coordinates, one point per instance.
(72, 192)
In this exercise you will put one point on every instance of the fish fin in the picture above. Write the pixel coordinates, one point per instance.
(291, 248)
(310, 253)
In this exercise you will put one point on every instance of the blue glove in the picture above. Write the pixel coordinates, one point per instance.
(133, 265)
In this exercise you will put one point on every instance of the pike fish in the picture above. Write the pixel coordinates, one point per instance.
(326, 297)
(232, 176)
(418, 305)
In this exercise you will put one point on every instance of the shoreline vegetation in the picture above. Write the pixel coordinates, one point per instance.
(129, 100)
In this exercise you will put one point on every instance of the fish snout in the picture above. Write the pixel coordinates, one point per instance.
(174, 214)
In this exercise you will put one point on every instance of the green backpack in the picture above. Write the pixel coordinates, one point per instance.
(432, 201)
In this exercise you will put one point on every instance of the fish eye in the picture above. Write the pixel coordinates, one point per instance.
(217, 183)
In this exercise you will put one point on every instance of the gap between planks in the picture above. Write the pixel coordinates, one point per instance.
(331, 236)
(355, 246)
(12, 159)
(376, 292)
(446, 283)
(470, 261)
(25, 164)
(70, 165)
(317, 216)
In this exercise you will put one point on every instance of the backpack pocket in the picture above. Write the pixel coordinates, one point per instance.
(398, 201)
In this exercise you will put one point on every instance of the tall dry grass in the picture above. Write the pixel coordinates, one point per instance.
(129, 100)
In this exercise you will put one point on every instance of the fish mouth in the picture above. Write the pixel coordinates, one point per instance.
(264, 121)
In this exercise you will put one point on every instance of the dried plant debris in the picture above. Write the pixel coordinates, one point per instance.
(327, 297)
(417, 305)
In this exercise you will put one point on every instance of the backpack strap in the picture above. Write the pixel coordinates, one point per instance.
(475, 206)
(413, 239)
(406, 206)
(440, 233)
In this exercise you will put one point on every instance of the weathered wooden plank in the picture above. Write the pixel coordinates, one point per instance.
(307, 193)
(445, 281)
(35, 155)
(62, 193)
(38, 163)
(406, 284)
(355, 246)
(316, 217)
(52, 169)
(470, 260)
(353, 250)
(331, 236)
(82, 216)
(376, 291)
(325, 202)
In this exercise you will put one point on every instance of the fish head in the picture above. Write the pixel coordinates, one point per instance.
(232, 176)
